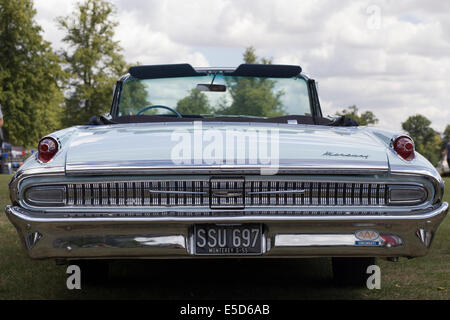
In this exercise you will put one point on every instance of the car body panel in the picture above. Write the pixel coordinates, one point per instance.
(141, 145)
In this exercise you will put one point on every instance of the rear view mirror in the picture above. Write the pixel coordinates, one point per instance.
(211, 87)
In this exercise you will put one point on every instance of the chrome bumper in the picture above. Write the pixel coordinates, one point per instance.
(171, 237)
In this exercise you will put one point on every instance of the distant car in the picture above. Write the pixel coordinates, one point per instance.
(227, 162)
(11, 158)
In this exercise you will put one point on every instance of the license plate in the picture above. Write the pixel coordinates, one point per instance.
(211, 239)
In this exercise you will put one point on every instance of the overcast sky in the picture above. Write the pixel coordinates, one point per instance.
(391, 57)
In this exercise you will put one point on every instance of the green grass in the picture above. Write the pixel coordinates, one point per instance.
(23, 278)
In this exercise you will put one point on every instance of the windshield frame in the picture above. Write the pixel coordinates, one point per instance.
(311, 87)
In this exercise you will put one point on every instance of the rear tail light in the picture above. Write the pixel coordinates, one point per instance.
(47, 148)
(404, 146)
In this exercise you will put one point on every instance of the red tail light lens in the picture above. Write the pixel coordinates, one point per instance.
(47, 148)
(404, 146)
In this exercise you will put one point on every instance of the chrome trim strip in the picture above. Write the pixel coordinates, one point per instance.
(168, 168)
(176, 192)
(314, 240)
(23, 214)
(276, 192)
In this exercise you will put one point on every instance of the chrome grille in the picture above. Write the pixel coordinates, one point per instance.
(225, 193)
(145, 194)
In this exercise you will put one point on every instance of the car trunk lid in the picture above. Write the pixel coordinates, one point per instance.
(223, 147)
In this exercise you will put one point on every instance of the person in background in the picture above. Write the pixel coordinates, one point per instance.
(447, 153)
(1, 125)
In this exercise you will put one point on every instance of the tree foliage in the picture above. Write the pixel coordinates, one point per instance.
(253, 96)
(30, 96)
(363, 119)
(427, 141)
(93, 59)
(195, 103)
(447, 133)
(133, 98)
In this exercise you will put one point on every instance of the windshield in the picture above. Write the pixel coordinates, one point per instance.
(215, 95)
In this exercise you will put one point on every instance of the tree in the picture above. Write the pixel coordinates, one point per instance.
(447, 133)
(94, 60)
(30, 95)
(253, 96)
(133, 98)
(195, 103)
(363, 119)
(418, 128)
(427, 141)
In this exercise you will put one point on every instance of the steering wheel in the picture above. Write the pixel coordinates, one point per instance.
(161, 107)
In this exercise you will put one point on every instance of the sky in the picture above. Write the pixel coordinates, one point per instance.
(391, 57)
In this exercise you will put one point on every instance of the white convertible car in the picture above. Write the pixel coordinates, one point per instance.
(201, 163)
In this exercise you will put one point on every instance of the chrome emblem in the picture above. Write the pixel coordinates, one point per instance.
(337, 154)
(227, 193)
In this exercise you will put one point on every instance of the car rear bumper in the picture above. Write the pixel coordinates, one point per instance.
(171, 237)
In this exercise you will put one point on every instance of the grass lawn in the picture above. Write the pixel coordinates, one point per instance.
(23, 278)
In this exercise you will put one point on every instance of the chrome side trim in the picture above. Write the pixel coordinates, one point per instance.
(168, 168)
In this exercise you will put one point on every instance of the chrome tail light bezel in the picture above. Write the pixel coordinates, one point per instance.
(393, 143)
